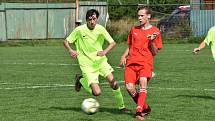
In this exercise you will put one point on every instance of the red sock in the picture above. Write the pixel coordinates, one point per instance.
(135, 96)
(141, 99)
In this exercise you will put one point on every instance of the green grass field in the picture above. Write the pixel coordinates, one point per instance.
(36, 84)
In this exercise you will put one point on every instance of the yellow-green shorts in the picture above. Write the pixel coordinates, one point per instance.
(104, 70)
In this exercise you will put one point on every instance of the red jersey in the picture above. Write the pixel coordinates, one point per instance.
(139, 46)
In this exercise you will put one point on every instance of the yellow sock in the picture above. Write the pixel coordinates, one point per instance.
(119, 98)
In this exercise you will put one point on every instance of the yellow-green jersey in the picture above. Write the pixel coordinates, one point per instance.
(88, 43)
(210, 39)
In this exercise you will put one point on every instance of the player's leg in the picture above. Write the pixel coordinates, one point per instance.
(106, 71)
(117, 93)
(141, 98)
(90, 83)
(116, 90)
(93, 78)
(96, 90)
(134, 94)
(131, 89)
(145, 75)
(83, 82)
(77, 82)
(142, 94)
(130, 78)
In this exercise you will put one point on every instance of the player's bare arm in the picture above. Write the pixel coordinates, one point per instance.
(201, 46)
(105, 51)
(71, 51)
(154, 48)
(124, 57)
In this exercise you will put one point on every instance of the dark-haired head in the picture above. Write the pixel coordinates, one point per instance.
(91, 13)
(91, 18)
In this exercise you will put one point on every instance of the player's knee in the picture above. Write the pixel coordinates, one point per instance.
(143, 82)
(130, 87)
(114, 85)
(96, 92)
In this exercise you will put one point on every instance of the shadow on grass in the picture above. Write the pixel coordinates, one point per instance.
(76, 109)
(197, 96)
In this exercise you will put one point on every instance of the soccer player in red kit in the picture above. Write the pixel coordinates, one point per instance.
(144, 42)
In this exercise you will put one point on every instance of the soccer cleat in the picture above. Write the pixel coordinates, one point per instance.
(77, 82)
(146, 111)
(125, 110)
(139, 116)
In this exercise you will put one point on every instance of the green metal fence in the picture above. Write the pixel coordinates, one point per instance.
(2, 23)
(43, 20)
(202, 16)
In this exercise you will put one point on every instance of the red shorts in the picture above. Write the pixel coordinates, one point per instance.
(134, 72)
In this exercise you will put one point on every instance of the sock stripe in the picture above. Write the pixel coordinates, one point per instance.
(134, 94)
(143, 90)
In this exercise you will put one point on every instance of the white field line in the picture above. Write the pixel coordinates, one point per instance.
(41, 86)
(54, 64)
(37, 86)
(185, 50)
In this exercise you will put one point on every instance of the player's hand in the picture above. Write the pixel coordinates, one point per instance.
(153, 36)
(101, 53)
(196, 50)
(123, 62)
(73, 53)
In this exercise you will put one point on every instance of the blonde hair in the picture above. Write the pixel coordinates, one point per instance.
(148, 10)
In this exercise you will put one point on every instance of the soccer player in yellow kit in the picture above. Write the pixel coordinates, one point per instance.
(209, 40)
(89, 39)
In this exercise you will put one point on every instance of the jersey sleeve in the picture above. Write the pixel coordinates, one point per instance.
(129, 39)
(73, 36)
(209, 37)
(106, 35)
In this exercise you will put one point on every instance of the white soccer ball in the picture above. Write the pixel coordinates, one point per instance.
(90, 106)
